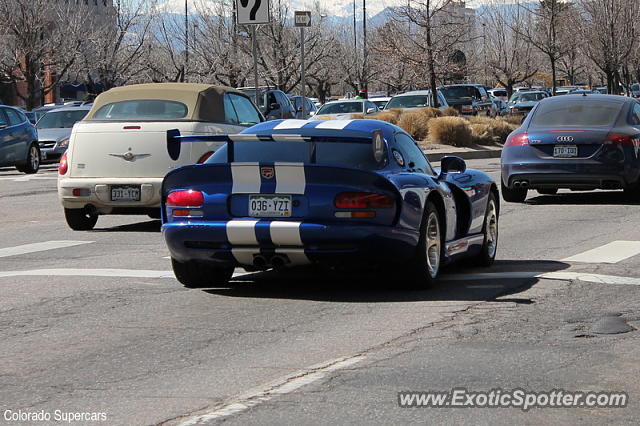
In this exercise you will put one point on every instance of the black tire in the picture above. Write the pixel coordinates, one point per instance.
(547, 191)
(80, 219)
(512, 195)
(155, 214)
(490, 230)
(32, 164)
(201, 275)
(427, 261)
(632, 192)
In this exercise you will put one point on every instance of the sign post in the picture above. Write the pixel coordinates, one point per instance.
(253, 12)
(302, 20)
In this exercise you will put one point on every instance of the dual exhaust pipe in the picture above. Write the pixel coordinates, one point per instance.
(521, 184)
(276, 261)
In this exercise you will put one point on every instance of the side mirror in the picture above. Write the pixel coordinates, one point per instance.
(274, 105)
(452, 164)
(312, 113)
(371, 110)
(299, 109)
(173, 144)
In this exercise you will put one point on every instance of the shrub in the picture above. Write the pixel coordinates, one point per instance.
(415, 123)
(513, 119)
(430, 112)
(450, 112)
(482, 134)
(497, 129)
(359, 116)
(450, 131)
(387, 116)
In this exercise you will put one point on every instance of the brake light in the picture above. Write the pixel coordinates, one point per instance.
(618, 139)
(518, 139)
(205, 157)
(63, 165)
(362, 200)
(187, 198)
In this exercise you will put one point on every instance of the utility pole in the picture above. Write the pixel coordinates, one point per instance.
(186, 40)
(355, 32)
(364, 47)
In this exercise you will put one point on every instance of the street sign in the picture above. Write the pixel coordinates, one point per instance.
(303, 19)
(251, 12)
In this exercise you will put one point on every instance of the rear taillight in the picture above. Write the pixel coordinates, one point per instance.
(618, 139)
(518, 139)
(188, 198)
(205, 157)
(63, 165)
(363, 200)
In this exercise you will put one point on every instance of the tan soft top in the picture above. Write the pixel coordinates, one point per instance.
(204, 101)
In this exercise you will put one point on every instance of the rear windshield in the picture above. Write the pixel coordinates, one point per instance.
(527, 97)
(342, 108)
(142, 110)
(409, 101)
(345, 154)
(460, 92)
(577, 113)
(61, 119)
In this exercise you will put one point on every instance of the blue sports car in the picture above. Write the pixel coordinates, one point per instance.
(577, 142)
(336, 193)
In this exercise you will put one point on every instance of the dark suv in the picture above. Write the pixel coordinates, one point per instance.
(18, 141)
(471, 99)
(272, 103)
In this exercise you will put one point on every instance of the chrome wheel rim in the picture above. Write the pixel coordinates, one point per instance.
(433, 244)
(491, 227)
(34, 158)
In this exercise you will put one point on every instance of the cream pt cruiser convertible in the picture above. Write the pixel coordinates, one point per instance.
(117, 155)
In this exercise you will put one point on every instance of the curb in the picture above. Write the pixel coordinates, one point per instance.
(465, 155)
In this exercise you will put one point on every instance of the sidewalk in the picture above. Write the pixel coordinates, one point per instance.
(435, 152)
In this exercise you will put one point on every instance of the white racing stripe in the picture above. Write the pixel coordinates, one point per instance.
(242, 232)
(283, 386)
(290, 124)
(244, 256)
(246, 178)
(296, 256)
(290, 178)
(285, 233)
(334, 124)
(613, 252)
(36, 247)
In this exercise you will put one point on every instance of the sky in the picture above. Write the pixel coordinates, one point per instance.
(333, 7)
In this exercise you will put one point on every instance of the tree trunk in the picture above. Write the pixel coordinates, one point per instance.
(552, 61)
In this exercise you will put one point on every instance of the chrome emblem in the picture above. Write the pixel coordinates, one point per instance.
(564, 139)
(130, 156)
(267, 172)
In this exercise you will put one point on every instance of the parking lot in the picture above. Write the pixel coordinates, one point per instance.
(95, 322)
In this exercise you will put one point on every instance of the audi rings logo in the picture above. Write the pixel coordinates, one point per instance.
(564, 139)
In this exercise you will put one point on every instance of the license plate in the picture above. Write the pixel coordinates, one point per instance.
(564, 151)
(125, 193)
(270, 205)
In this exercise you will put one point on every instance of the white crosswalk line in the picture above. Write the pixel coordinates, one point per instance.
(613, 252)
(36, 247)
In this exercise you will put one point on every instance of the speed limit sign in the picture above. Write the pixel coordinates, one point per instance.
(252, 12)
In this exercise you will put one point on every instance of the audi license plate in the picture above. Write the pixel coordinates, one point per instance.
(564, 151)
(270, 205)
(125, 193)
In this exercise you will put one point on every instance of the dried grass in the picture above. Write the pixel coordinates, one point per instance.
(512, 119)
(359, 117)
(497, 129)
(415, 123)
(450, 112)
(454, 131)
(387, 116)
(430, 112)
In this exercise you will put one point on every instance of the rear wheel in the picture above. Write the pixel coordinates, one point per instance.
(201, 275)
(490, 231)
(80, 219)
(32, 164)
(429, 253)
(512, 195)
(547, 191)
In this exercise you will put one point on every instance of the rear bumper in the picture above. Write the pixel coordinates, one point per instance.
(99, 194)
(293, 243)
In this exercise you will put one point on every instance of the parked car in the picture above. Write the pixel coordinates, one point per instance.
(380, 101)
(565, 90)
(499, 93)
(31, 116)
(310, 107)
(521, 103)
(470, 99)
(635, 90)
(18, 141)
(502, 107)
(54, 130)
(346, 108)
(577, 142)
(415, 99)
(272, 103)
(117, 154)
(334, 193)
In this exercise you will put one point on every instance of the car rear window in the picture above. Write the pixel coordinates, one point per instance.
(61, 119)
(460, 92)
(577, 112)
(345, 154)
(342, 108)
(142, 109)
(408, 101)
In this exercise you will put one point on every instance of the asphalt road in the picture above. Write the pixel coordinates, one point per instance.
(94, 322)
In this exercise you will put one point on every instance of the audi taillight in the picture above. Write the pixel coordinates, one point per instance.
(618, 139)
(518, 139)
(186, 198)
(205, 157)
(363, 200)
(63, 165)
